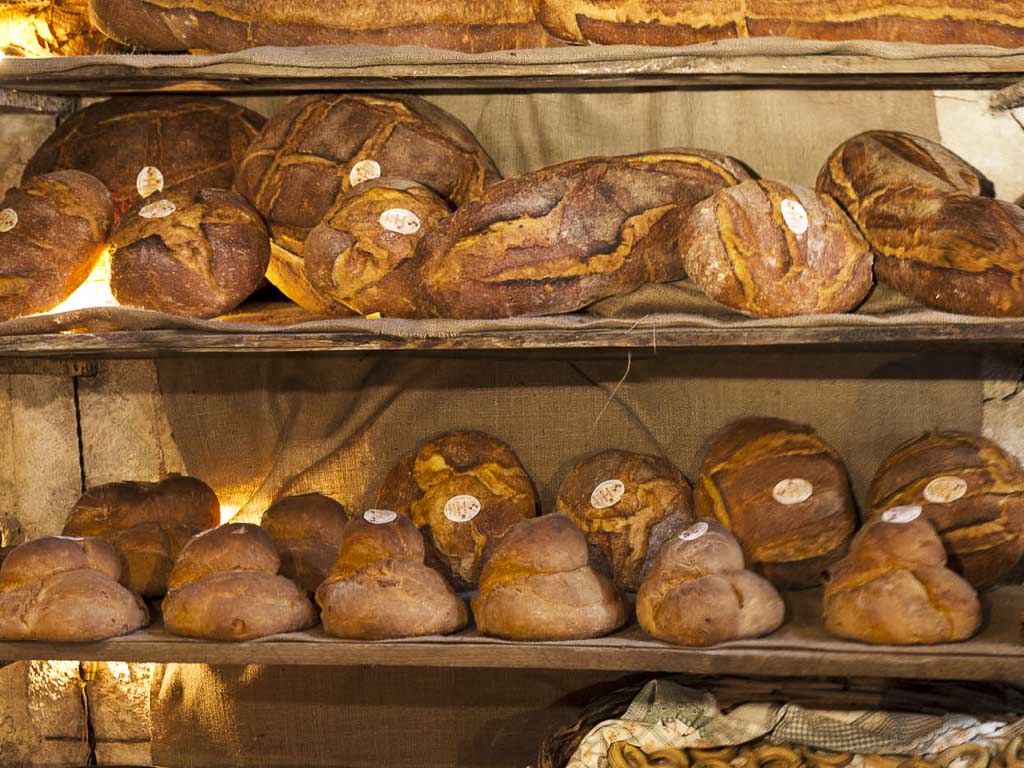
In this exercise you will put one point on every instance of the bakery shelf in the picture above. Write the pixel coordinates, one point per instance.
(800, 648)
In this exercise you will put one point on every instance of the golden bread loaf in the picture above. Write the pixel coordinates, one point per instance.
(307, 531)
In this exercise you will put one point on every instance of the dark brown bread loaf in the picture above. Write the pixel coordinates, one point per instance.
(307, 531)
(231, 25)
(130, 143)
(464, 491)
(894, 587)
(627, 505)
(684, 22)
(53, 229)
(784, 493)
(698, 593)
(564, 237)
(773, 250)
(197, 254)
(361, 254)
(970, 490)
(936, 239)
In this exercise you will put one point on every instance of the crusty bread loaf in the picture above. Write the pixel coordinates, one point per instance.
(936, 238)
(62, 589)
(772, 250)
(698, 593)
(627, 505)
(379, 587)
(784, 493)
(307, 531)
(137, 144)
(197, 254)
(538, 585)
(361, 254)
(230, 547)
(970, 490)
(464, 491)
(894, 587)
(53, 229)
(564, 237)
(148, 551)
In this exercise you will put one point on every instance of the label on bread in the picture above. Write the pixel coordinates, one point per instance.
(400, 220)
(158, 210)
(945, 489)
(795, 216)
(379, 516)
(364, 170)
(8, 219)
(694, 532)
(607, 494)
(792, 490)
(462, 509)
(902, 515)
(70, 538)
(149, 181)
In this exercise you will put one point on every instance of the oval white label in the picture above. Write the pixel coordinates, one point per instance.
(607, 494)
(462, 509)
(149, 181)
(902, 515)
(70, 538)
(158, 210)
(694, 532)
(792, 490)
(795, 216)
(943, 490)
(8, 219)
(364, 170)
(401, 221)
(379, 516)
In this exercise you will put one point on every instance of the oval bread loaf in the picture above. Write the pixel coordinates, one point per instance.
(307, 531)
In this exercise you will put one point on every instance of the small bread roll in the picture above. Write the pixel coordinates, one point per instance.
(307, 532)
(698, 592)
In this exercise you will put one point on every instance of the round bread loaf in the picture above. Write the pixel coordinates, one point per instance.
(189, 253)
(380, 588)
(538, 585)
(307, 532)
(772, 250)
(627, 505)
(53, 229)
(970, 490)
(894, 587)
(464, 490)
(142, 145)
(361, 254)
(784, 493)
(149, 550)
(698, 593)
(936, 238)
(230, 547)
(60, 589)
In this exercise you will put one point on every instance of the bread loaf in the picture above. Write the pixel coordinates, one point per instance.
(936, 238)
(970, 490)
(231, 25)
(197, 254)
(894, 587)
(361, 254)
(563, 237)
(142, 145)
(148, 524)
(307, 531)
(698, 593)
(784, 493)
(53, 229)
(464, 491)
(59, 589)
(538, 585)
(380, 588)
(683, 22)
(627, 505)
(225, 586)
(773, 250)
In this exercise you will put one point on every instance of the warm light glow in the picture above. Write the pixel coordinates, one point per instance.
(228, 511)
(94, 292)
(24, 36)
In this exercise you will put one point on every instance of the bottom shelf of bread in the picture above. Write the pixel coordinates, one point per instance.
(800, 647)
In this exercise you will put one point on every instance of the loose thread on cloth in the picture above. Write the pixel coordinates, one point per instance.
(615, 389)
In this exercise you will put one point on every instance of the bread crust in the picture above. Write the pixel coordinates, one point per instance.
(307, 530)
(230, 547)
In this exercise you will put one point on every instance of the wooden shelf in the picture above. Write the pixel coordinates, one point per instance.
(801, 648)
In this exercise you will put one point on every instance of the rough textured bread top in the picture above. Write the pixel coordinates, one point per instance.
(231, 547)
(970, 490)
(561, 238)
(307, 530)
(117, 506)
(37, 559)
(365, 542)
